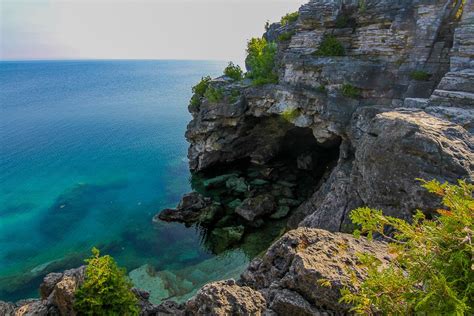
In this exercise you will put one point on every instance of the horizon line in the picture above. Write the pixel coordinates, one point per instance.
(110, 59)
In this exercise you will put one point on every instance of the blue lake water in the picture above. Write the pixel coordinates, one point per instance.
(89, 152)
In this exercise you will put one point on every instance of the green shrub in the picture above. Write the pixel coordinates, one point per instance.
(330, 46)
(198, 92)
(350, 91)
(290, 114)
(106, 289)
(201, 87)
(289, 18)
(214, 95)
(234, 95)
(362, 6)
(420, 75)
(261, 61)
(344, 20)
(432, 271)
(234, 72)
(286, 36)
(321, 89)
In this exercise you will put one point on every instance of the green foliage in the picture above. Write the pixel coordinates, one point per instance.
(201, 87)
(234, 95)
(234, 72)
(321, 89)
(290, 114)
(432, 269)
(344, 20)
(198, 91)
(420, 75)
(261, 61)
(289, 18)
(362, 6)
(214, 95)
(286, 36)
(350, 91)
(330, 46)
(106, 289)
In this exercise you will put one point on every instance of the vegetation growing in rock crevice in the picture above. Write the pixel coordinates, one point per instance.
(330, 46)
(106, 289)
(432, 268)
(261, 61)
(350, 91)
(286, 36)
(290, 114)
(289, 18)
(234, 72)
(420, 75)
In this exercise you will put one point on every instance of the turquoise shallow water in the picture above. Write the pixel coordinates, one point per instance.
(89, 152)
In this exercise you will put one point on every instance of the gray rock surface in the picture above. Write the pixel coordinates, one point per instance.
(226, 298)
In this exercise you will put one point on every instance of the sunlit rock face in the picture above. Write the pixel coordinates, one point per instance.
(409, 66)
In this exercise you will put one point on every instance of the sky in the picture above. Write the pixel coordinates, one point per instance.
(134, 29)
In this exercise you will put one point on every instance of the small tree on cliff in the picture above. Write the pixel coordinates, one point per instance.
(106, 289)
(432, 267)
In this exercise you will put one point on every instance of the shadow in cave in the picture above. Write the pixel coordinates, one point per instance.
(252, 197)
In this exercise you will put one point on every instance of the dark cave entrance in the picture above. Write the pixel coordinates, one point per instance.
(256, 194)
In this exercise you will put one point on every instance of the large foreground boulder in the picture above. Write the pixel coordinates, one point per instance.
(301, 274)
(226, 298)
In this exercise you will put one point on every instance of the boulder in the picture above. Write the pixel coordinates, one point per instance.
(237, 185)
(254, 207)
(290, 270)
(226, 298)
(192, 208)
(7, 309)
(224, 237)
(194, 201)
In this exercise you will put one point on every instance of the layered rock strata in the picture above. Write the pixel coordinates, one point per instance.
(410, 66)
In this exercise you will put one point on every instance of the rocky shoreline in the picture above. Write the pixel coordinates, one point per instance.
(307, 151)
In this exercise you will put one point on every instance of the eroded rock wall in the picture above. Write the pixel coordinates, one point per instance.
(398, 128)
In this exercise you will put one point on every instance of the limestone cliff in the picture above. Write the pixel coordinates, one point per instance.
(396, 127)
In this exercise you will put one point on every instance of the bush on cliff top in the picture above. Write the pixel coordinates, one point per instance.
(234, 72)
(214, 95)
(106, 289)
(199, 90)
(289, 18)
(432, 270)
(261, 61)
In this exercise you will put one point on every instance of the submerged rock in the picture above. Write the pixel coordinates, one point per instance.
(281, 212)
(252, 208)
(224, 237)
(219, 180)
(237, 184)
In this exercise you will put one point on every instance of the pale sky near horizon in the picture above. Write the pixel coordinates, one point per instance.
(134, 29)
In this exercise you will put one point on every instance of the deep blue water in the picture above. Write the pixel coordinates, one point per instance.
(89, 152)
